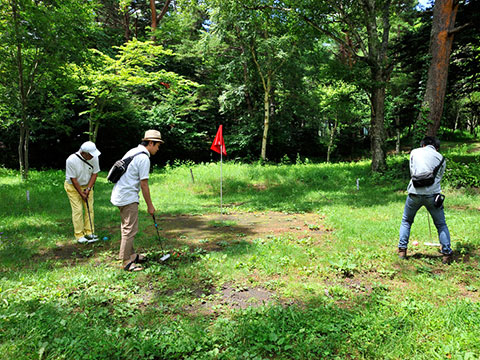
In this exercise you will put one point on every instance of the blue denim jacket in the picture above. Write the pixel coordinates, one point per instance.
(422, 160)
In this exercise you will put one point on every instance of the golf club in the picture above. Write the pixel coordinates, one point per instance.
(92, 237)
(166, 256)
(431, 243)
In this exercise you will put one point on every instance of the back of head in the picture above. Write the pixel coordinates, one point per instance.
(430, 140)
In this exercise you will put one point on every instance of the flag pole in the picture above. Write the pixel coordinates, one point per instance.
(221, 182)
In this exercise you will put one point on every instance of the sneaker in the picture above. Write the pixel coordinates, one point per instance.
(91, 238)
(82, 240)
(402, 254)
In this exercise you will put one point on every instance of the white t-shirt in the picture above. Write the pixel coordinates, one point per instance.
(76, 168)
(127, 188)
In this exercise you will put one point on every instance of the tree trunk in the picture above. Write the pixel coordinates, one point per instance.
(457, 118)
(441, 39)
(379, 73)
(377, 129)
(397, 144)
(154, 18)
(266, 122)
(332, 136)
(126, 17)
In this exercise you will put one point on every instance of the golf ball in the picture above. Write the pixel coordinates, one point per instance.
(105, 238)
(415, 243)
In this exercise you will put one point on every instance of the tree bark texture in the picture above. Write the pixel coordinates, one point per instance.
(377, 129)
(441, 39)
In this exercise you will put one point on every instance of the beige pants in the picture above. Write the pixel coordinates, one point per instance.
(129, 228)
(81, 222)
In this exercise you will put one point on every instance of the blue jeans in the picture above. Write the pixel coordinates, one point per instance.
(412, 205)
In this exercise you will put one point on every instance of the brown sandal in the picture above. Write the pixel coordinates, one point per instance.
(131, 266)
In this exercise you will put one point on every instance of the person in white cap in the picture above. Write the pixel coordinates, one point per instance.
(125, 195)
(81, 172)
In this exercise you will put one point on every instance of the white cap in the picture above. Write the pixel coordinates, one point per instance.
(89, 147)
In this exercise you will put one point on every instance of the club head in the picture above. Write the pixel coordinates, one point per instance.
(164, 257)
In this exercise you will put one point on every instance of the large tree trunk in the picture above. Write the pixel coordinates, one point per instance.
(441, 39)
(377, 129)
(380, 70)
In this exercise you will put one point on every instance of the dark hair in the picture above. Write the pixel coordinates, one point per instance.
(430, 140)
(145, 142)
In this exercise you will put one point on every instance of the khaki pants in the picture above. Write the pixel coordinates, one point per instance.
(80, 220)
(129, 228)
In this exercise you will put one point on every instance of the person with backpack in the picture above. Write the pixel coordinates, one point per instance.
(125, 195)
(81, 173)
(427, 167)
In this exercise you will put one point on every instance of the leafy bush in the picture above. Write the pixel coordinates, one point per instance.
(460, 174)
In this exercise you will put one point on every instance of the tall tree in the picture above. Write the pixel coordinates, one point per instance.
(441, 39)
(260, 37)
(38, 38)
(361, 31)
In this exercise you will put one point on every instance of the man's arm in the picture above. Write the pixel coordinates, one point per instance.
(146, 195)
(90, 184)
(79, 189)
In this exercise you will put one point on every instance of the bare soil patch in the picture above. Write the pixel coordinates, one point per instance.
(210, 229)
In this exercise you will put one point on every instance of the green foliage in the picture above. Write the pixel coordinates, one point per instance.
(135, 71)
(463, 175)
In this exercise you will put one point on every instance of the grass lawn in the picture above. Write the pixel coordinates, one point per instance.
(301, 265)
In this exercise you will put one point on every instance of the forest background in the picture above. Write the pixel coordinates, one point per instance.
(289, 83)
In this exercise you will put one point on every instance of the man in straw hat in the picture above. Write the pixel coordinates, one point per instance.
(80, 176)
(125, 195)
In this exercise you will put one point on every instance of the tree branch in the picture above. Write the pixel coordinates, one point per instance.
(252, 50)
(164, 10)
(459, 28)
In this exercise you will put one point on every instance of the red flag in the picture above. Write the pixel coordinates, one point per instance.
(219, 142)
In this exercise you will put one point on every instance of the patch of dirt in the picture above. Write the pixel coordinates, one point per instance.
(242, 298)
(234, 297)
(210, 229)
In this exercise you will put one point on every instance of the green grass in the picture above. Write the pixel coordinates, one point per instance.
(336, 292)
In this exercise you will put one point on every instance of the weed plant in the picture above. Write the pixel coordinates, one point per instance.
(343, 294)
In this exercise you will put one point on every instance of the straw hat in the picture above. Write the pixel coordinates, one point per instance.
(153, 135)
